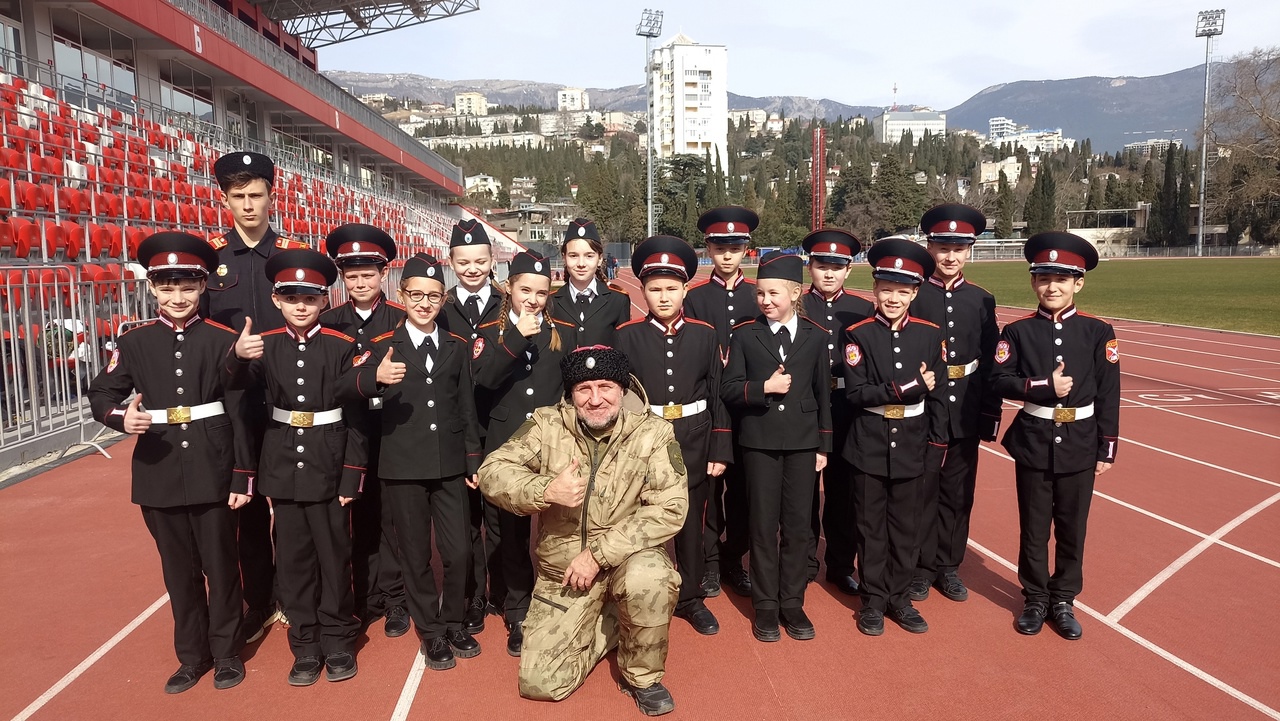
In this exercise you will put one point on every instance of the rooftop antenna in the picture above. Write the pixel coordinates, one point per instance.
(895, 98)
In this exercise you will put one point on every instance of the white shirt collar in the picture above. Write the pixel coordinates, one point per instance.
(574, 292)
(483, 294)
(416, 336)
(514, 317)
(364, 314)
(791, 325)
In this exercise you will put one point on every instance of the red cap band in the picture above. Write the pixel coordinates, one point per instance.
(728, 228)
(953, 227)
(162, 261)
(904, 265)
(1055, 256)
(832, 249)
(357, 249)
(666, 263)
(298, 276)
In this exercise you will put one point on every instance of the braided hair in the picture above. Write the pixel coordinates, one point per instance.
(547, 314)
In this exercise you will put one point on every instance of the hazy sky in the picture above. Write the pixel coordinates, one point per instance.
(939, 52)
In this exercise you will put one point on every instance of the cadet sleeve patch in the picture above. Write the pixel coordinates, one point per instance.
(477, 348)
(1113, 351)
(360, 359)
(1002, 351)
(852, 354)
(944, 351)
(115, 359)
(674, 454)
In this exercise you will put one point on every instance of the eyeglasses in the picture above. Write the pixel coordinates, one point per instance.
(416, 296)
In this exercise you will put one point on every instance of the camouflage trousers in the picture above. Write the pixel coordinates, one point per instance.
(567, 632)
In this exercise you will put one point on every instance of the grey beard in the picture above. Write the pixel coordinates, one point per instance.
(597, 427)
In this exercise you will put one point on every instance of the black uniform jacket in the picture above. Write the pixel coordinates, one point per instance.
(679, 365)
(520, 373)
(1028, 351)
(800, 419)
(429, 427)
(316, 371)
(723, 305)
(597, 323)
(966, 313)
(454, 318)
(343, 318)
(882, 367)
(239, 286)
(179, 464)
(835, 315)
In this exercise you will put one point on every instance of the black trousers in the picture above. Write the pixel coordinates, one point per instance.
(314, 550)
(510, 563)
(418, 507)
(375, 566)
(690, 553)
(945, 509)
(1063, 499)
(197, 546)
(253, 540)
(780, 493)
(475, 581)
(888, 517)
(837, 523)
(727, 513)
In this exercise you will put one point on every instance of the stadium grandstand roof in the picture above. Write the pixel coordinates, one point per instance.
(318, 23)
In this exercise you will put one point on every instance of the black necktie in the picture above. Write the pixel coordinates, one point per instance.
(428, 352)
(784, 341)
(584, 298)
(472, 307)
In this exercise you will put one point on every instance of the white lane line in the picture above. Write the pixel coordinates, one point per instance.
(633, 284)
(1200, 368)
(84, 665)
(1204, 352)
(1194, 339)
(1179, 563)
(1197, 388)
(1206, 464)
(1160, 407)
(1188, 529)
(1205, 420)
(410, 689)
(1177, 661)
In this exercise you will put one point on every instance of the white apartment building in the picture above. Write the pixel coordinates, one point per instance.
(755, 118)
(1001, 126)
(1153, 145)
(470, 104)
(571, 99)
(990, 172)
(890, 126)
(691, 98)
(1005, 130)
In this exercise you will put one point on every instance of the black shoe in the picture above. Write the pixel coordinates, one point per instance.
(397, 623)
(950, 585)
(653, 701)
(228, 672)
(1064, 620)
(765, 626)
(848, 585)
(711, 583)
(463, 645)
(919, 589)
(700, 617)
(186, 677)
(909, 619)
(797, 624)
(339, 666)
(738, 581)
(871, 621)
(439, 654)
(256, 621)
(305, 671)
(473, 620)
(1032, 618)
(515, 637)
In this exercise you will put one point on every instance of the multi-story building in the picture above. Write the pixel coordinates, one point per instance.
(755, 118)
(470, 104)
(890, 126)
(1001, 126)
(691, 98)
(1005, 130)
(990, 172)
(1153, 145)
(570, 99)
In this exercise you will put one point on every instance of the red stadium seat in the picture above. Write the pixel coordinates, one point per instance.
(208, 216)
(73, 236)
(29, 196)
(54, 239)
(73, 200)
(134, 237)
(188, 214)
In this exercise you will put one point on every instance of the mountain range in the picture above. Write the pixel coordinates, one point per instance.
(1109, 111)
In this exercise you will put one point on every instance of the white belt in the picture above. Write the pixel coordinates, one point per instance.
(306, 419)
(954, 372)
(895, 412)
(186, 414)
(673, 412)
(1059, 414)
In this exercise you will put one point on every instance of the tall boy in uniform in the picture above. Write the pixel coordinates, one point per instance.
(893, 362)
(183, 476)
(362, 253)
(725, 300)
(1065, 368)
(966, 313)
(677, 360)
(831, 251)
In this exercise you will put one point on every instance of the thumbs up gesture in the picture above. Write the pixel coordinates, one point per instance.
(249, 344)
(390, 372)
(779, 382)
(568, 488)
(1061, 382)
(136, 419)
(528, 324)
(927, 375)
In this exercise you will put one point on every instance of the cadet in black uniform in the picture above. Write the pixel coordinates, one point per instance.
(828, 304)
(313, 460)
(183, 462)
(893, 364)
(778, 384)
(677, 360)
(967, 315)
(588, 299)
(517, 360)
(1065, 368)
(239, 289)
(362, 253)
(474, 301)
(724, 300)
(430, 452)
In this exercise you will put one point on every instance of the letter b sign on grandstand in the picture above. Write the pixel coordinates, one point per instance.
(195, 29)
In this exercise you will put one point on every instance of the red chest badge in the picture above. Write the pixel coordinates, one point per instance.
(1002, 351)
(360, 359)
(115, 360)
(477, 348)
(1113, 351)
(852, 354)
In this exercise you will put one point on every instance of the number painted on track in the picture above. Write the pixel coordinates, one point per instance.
(1176, 397)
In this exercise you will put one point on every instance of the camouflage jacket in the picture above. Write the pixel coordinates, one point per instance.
(637, 488)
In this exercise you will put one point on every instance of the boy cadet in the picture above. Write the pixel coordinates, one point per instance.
(362, 253)
(313, 462)
(892, 365)
(677, 360)
(1065, 368)
(967, 315)
(831, 252)
(725, 300)
(182, 464)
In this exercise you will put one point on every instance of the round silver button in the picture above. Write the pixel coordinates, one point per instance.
(177, 372)
(896, 349)
(948, 294)
(183, 426)
(782, 406)
(897, 365)
(1057, 341)
(895, 334)
(1057, 326)
(951, 324)
(301, 398)
(730, 294)
(429, 381)
(828, 305)
(671, 354)
(951, 383)
(1057, 358)
(301, 381)
(433, 426)
(730, 308)
(831, 346)
(830, 317)
(528, 367)
(302, 346)
(671, 389)
(670, 371)
(360, 331)
(949, 309)
(952, 398)
(582, 329)
(893, 444)
(177, 354)
(1057, 439)
(670, 341)
(952, 339)
(953, 354)
(300, 464)
(299, 431)
(893, 430)
(301, 449)
(180, 391)
(1057, 425)
(431, 404)
(180, 336)
(527, 416)
(528, 391)
(301, 363)
(185, 444)
(474, 336)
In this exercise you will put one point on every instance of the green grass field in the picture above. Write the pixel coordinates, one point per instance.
(1228, 293)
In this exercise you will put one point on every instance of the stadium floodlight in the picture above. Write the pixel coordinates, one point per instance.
(1209, 25)
(649, 28)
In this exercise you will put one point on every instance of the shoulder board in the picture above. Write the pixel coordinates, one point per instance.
(218, 243)
(748, 280)
(383, 337)
(132, 328)
(289, 243)
(695, 321)
(218, 325)
(820, 326)
(1082, 314)
(394, 304)
(925, 322)
(337, 334)
(633, 322)
(616, 288)
(460, 339)
(699, 284)
(560, 322)
(862, 322)
(744, 323)
(490, 324)
(277, 331)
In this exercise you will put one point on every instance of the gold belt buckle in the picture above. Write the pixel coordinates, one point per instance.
(181, 414)
(302, 419)
(954, 372)
(895, 412)
(672, 412)
(1064, 415)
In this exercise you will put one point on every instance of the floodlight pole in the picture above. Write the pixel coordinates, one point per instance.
(1208, 25)
(650, 27)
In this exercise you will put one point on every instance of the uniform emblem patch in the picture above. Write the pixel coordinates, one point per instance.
(115, 360)
(222, 269)
(1002, 351)
(360, 359)
(477, 348)
(852, 354)
(1113, 351)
